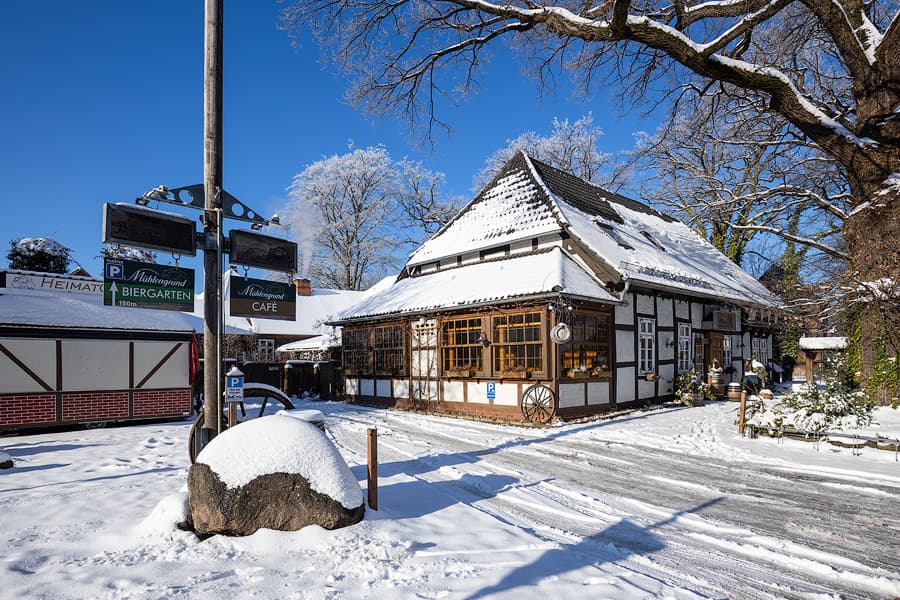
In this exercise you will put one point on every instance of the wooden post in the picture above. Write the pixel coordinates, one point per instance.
(232, 414)
(741, 415)
(372, 484)
(212, 181)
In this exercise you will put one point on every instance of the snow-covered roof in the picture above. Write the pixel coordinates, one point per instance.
(822, 343)
(312, 312)
(536, 274)
(635, 242)
(23, 308)
(318, 342)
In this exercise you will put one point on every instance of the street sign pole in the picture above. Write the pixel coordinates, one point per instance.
(212, 222)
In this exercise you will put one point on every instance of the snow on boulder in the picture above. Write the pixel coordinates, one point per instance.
(274, 472)
(6, 461)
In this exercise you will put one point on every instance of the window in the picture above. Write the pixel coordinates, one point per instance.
(763, 354)
(726, 352)
(355, 351)
(653, 240)
(389, 349)
(266, 349)
(615, 235)
(754, 348)
(517, 342)
(646, 346)
(587, 352)
(684, 347)
(461, 344)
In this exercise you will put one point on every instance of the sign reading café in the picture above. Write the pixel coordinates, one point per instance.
(263, 299)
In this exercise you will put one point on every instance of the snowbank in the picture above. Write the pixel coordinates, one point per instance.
(281, 444)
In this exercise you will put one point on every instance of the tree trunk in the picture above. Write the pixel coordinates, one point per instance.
(872, 234)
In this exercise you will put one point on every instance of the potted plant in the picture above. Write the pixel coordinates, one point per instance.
(691, 389)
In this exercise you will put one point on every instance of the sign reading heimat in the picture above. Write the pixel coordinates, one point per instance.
(263, 299)
(50, 282)
(147, 285)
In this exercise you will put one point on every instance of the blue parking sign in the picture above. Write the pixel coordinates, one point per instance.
(491, 390)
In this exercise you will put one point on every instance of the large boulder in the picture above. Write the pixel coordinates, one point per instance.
(274, 472)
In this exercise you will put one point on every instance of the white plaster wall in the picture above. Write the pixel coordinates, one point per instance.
(696, 315)
(477, 392)
(645, 305)
(453, 391)
(401, 388)
(383, 388)
(625, 384)
(367, 387)
(598, 392)
(667, 373)
(571, 394)
(624, 346)
(507, 394)
(623, 312)
(682, 309)
(38, 355)
(94, 365)
(665, 312)
(646, 389)
(351, 386)
(175, 371)
(663, 351)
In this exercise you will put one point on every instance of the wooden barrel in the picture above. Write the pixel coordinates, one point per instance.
(717, 384)
(734, 392)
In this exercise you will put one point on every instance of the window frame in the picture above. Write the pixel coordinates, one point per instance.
(684, 359)
(388, 350)
(646, 350)
(356, 343)
(727, 351)
(580, 346)
(497, 366)
(473, 329)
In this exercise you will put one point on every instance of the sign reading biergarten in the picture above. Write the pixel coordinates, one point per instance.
(147, 285)
(263, 299)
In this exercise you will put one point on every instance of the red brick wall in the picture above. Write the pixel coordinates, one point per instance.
(94, 406)
(26, 409)
(152, 403)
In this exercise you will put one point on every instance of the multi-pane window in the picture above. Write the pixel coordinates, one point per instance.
(754, 348)
(389, 349)
(587, 351)
(763, 353)
(355, 350)
(517, 344)
(646, 345)
(726, 351)
(684, 347)
(461, 341)
(266, 349)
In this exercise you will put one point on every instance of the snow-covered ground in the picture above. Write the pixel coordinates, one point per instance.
(667, 503)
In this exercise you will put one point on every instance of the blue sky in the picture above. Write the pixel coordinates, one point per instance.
(102, 101)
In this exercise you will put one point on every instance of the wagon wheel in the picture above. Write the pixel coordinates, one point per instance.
(272, 402)
(538, 404)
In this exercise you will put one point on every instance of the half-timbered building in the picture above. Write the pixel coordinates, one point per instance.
(547, 296)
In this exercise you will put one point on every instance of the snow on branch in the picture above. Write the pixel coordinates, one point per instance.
(794, 238)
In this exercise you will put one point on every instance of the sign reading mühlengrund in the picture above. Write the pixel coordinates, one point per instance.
(263, 299)
(147, 285)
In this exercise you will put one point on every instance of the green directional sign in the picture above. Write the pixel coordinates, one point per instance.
(147, 285)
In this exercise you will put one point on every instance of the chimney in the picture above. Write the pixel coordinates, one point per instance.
(303, 287)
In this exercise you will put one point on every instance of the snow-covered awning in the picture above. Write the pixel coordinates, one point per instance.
(318, 342)
(823, 343)
(531, 276)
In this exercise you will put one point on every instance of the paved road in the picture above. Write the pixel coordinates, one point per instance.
(719, 527)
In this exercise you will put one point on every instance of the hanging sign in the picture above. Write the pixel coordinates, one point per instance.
(263, 251)
(262, 299)
(146, 285)
(148, 228)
